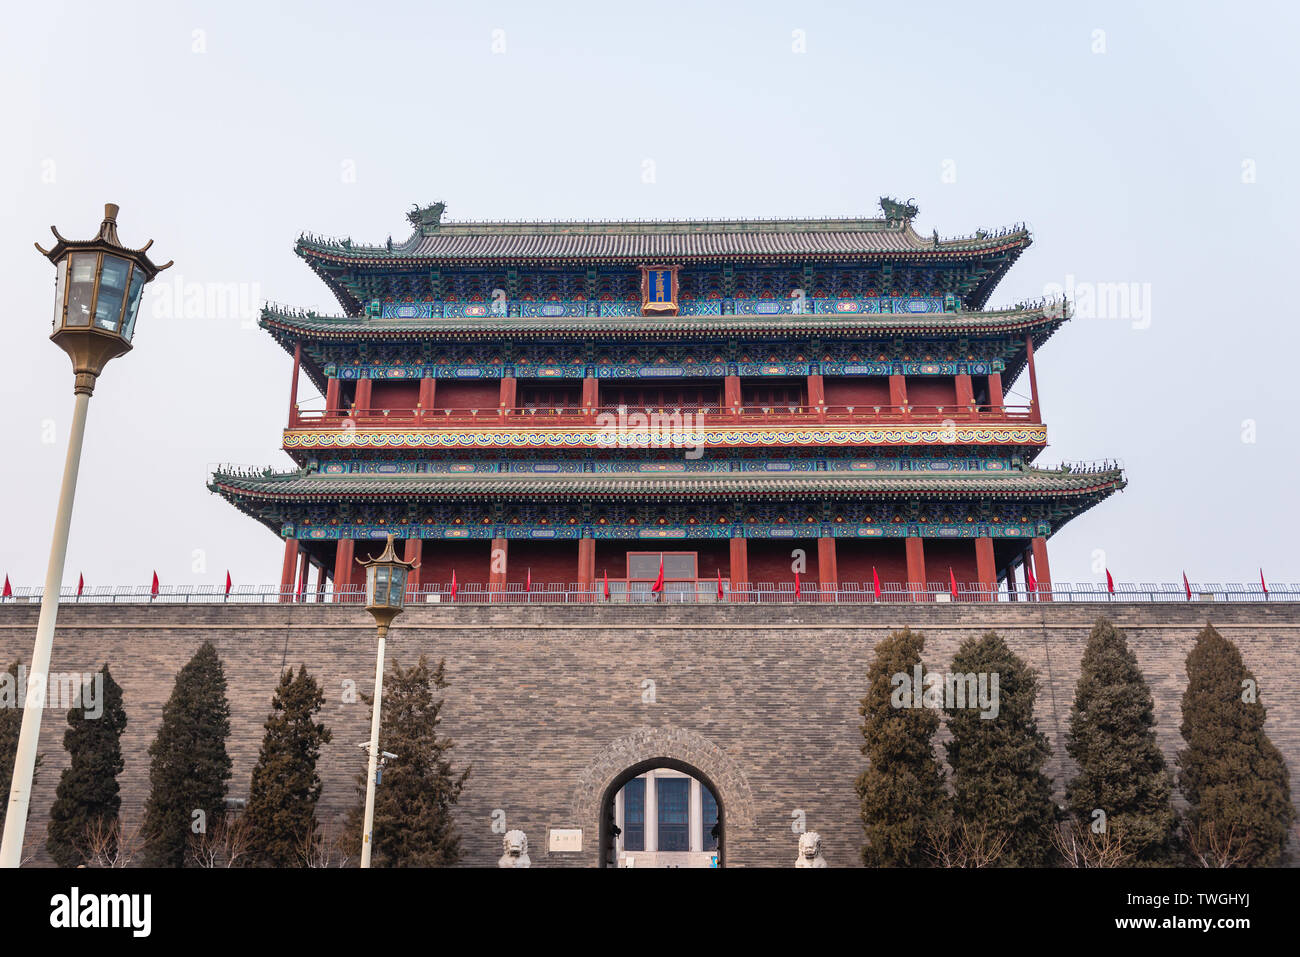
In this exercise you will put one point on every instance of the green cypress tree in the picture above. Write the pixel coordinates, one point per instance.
(13, 698)
(88, 795)
(413, 824)
(997, 761)
(1113, 741)
(902, 792)
(282, 798)
(190, 766)
(1233, 777)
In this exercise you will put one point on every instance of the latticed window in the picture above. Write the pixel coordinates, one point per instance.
(674, 800)
(634, 815)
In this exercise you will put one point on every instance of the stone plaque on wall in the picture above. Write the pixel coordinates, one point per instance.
(565, 840)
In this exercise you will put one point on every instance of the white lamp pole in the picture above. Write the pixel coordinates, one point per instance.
(385, 597)
(97, 296)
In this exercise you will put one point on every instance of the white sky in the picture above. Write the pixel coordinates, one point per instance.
(223, 145)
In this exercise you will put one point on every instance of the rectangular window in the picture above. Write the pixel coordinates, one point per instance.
(674, 797)
(679, 566)
(634, 815)
(709, 806)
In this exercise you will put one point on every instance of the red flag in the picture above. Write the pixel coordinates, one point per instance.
(528, 582)
(875, 581)
(153, 589)
(719, 584)
(1110, 582)
(952, 584)
(659, 582)
(9, 592)
(227, 582)
(798, 592)
(1261, 583)
(453, 584)
(607, 584)
(81, 583)
(1186, 587)
(1030, 582)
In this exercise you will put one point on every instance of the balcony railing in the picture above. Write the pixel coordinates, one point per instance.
(704, 416)
(703, 591)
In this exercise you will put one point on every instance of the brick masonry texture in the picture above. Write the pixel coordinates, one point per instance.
(545, 702)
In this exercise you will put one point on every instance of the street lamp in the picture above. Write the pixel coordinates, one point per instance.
(96, 298)
(385, 597)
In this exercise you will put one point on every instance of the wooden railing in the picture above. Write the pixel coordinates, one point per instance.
(703, 416)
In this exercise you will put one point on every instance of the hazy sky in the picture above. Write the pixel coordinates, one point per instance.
(1154, 146)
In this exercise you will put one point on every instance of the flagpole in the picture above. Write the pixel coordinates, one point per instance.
(20, 791)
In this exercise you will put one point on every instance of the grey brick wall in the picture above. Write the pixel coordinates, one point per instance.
(546, 702)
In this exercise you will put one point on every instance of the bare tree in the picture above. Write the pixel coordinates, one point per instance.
(219, 846)
(1080, 846)
(109, 843)
(962, 844)
(1214, 846)
(324, 846)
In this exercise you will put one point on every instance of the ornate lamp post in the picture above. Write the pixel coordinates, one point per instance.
(385, 599)
(96, 297)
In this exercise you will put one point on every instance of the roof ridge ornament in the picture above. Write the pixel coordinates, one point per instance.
(426, 219)
(896, 212)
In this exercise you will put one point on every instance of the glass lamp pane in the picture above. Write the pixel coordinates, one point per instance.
(370, 586)
(82, 289)
(398, 592)
(132, 303)
(60, 286)
(112, 287)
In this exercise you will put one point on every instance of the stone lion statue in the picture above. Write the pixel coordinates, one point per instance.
(515, 845)
(810, 850)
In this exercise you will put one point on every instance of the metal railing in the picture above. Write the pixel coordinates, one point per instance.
(703, 591)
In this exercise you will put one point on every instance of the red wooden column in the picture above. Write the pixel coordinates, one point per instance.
(343, 566)
(1037, 412)
(984, 566)
(304, 568)
(739, 564)
(428, 394)
(916, 580)
(897, 392)
(587, 564)
(413, 552)
(996, 398)
(1042, 571)
(817, 395)
(332, 396)
(965, 393)
(828, 573)
(363, 396)
(497, 565)
(731, 393)
(288, 568)
(293, 385)
(320, 582)
(590, 396)
(509, 392)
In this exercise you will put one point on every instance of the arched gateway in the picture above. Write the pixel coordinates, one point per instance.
(663, 747)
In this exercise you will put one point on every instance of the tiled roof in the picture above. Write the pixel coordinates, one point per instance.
(682, 240)
(1026, 484)
(979, 322)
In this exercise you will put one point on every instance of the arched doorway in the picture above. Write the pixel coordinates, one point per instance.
(658, 813)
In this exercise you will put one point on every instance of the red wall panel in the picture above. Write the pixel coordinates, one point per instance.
(857, 556)
(481, 395)
(770, 560)
(932, 390)
(857, 390)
